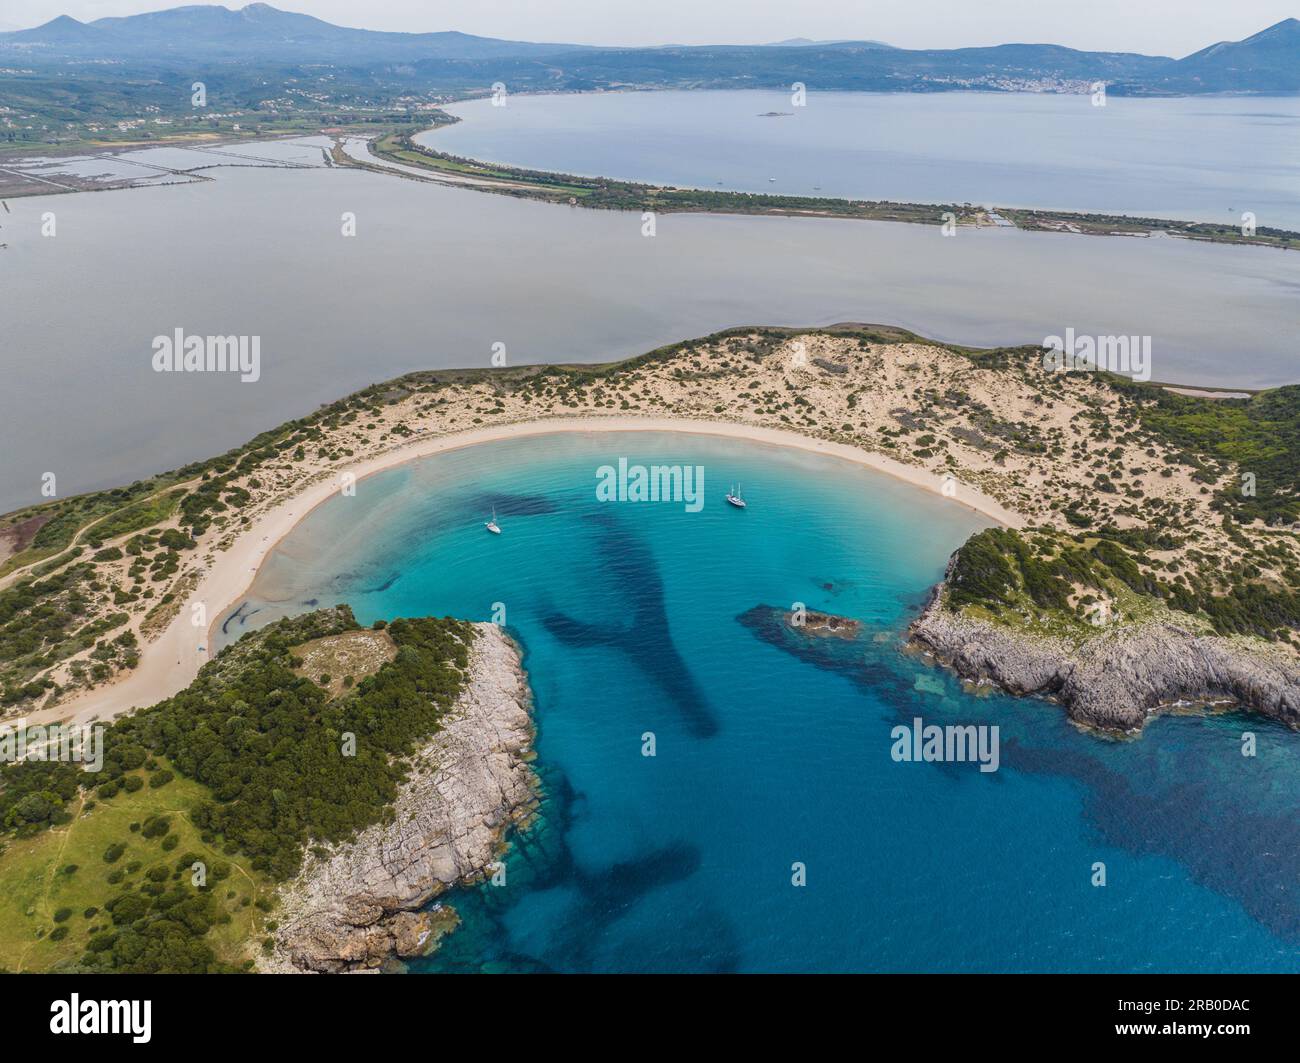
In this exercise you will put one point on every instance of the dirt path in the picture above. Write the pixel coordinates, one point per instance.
(12, 577)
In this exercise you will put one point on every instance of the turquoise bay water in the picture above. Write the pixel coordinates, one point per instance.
(773, 748)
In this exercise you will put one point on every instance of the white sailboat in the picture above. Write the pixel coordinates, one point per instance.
(734, 497)
(491, 525)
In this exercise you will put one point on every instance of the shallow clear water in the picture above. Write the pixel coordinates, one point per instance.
(1199, 159)
(774, 749)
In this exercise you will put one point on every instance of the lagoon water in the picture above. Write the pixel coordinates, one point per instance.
(774, 749)
(435, 276)
(1197, 159)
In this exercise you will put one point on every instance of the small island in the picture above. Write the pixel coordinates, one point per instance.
(815, 624)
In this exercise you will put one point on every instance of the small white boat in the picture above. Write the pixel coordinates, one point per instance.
(733, 496)
(491, 525)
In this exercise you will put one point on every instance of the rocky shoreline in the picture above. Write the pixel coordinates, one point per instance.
(823, 625)
(364, 902)
(1119, 679)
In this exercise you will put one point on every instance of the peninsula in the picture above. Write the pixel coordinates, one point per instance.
(260, 819)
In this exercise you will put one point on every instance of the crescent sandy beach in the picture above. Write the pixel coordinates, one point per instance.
(171, 662)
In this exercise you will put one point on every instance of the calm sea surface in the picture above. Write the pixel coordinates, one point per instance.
(1197, 159)
(435, 276)
(774, 750)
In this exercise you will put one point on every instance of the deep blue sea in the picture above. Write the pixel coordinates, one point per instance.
(773, 748)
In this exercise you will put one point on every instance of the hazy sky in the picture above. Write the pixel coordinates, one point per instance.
(1167, 27)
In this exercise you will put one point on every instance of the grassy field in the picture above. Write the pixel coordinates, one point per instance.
(35, 884)
(338, 662)
(137, 517)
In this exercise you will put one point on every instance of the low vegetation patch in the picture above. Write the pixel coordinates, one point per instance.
(238, 774)
(114, 886)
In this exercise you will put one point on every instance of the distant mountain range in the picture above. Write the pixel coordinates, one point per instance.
(804, 42)
(256, 31)
(264, 37)
(1267, 62)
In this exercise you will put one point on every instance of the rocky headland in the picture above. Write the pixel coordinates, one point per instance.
(364, 902)
(1118, 678)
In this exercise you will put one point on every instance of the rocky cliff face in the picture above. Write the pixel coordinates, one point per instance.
(362, 903)
(1118, 679)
